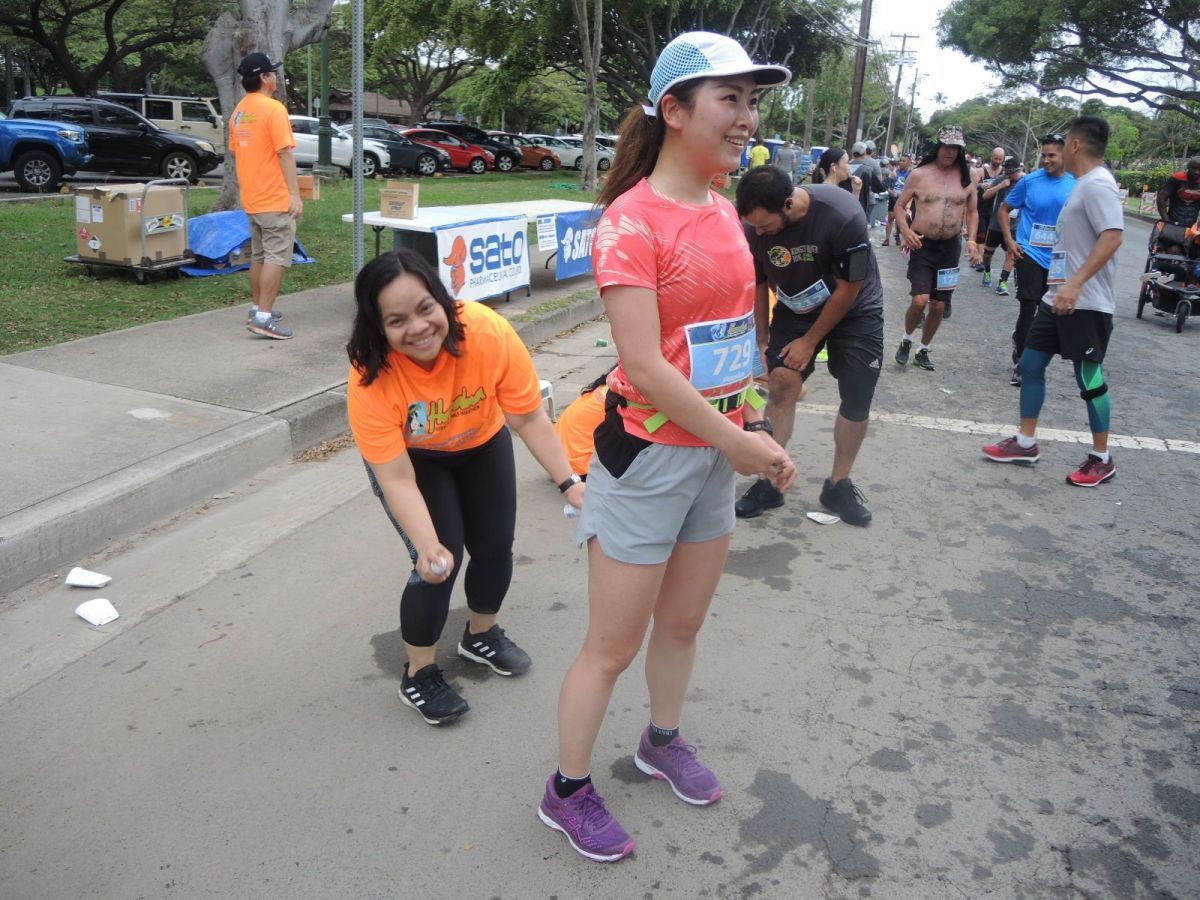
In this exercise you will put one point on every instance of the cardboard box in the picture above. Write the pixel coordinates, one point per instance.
(310, 187)
(110, 218)
(398, 200)
(241, 256)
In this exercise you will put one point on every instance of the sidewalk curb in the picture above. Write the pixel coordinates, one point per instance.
(80, 522)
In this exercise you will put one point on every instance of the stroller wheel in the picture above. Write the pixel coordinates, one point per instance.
(1182, 310)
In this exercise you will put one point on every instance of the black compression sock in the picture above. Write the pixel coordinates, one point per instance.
(660, 737)
(1004, 273)
(565, 787)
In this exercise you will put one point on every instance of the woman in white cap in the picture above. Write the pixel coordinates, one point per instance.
(677, 281)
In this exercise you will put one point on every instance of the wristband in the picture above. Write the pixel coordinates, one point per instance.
(565, 486)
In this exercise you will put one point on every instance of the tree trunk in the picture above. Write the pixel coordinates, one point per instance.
(810, 89)
(589, 43)
(272, 27)
(829, 128)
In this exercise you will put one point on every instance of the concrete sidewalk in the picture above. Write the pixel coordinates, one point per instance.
(109, 434)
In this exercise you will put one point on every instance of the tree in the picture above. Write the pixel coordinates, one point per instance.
(89, 40)
(1131, 50)
(591, 35)
(273, 27)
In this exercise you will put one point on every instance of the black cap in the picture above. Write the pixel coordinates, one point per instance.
(257, 63)
(1011, 163)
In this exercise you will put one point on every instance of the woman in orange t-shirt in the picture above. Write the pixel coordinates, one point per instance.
(434, 387)
(576, 425)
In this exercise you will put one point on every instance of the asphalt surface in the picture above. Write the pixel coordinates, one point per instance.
(991, 691)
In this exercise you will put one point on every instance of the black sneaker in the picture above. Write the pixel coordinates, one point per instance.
(847, 501)
(922, 361)
(902, 352)
(494, 648)
(1015, 378)
(761, 496)
(428, 693)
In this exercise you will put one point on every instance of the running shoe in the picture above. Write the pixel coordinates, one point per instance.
(987, 277)
(761, 496)
(269, 329)
(1093, 472)
(823, 356)
(978, 267)
(590, 828)
(676, 764)
(922, 361)
(494, 649)
(845, 499)
(1015, 378)
(902, 352)
(885, 242)
(427, 692)
(1010, 451)
(1002, 288)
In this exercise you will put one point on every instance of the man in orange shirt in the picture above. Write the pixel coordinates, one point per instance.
(260, 139)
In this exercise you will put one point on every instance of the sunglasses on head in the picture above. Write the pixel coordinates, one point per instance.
(1054, 139)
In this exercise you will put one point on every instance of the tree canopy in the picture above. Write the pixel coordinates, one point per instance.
(1144, 51)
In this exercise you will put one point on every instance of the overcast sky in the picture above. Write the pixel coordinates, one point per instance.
(947, 71)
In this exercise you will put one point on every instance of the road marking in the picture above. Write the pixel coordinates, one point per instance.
(986, 429)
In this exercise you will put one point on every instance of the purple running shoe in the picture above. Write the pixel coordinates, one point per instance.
(676, 763)
(588, 825)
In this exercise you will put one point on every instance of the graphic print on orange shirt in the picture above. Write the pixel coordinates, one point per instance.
(426, 418)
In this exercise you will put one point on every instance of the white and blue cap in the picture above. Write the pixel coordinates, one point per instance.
(703, 54)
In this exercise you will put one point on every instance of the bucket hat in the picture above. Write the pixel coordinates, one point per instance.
(703, 54)
(952, 136)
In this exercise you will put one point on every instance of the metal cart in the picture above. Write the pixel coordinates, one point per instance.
(148, 226)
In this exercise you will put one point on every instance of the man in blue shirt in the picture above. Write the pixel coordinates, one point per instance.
(1040, 197)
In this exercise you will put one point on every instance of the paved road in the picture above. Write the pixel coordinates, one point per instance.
(992, 691)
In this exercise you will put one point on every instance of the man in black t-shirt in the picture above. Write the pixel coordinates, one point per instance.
(810, 243)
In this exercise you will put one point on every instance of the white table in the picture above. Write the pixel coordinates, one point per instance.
(430, 217)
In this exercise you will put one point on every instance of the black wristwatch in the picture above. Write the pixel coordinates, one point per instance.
(565, 486)
(763, 424)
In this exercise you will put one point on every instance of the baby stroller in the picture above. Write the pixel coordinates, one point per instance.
(1171, 282)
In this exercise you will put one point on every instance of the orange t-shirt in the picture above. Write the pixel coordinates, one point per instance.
(258, 130)
(576, 426)
(459, 404)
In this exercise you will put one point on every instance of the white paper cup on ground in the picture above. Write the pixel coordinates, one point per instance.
(96, 612)
(78, 577)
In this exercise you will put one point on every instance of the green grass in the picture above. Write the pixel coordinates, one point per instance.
(47, 301)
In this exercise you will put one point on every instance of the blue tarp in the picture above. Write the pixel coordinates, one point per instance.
(216, 236)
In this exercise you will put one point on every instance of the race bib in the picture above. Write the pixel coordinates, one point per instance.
(809, 298)
(1043, 235)
(722, 352)
(947, 279)
(1058, 268)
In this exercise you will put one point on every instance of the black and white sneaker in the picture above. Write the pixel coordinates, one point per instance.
(427, 692)
(495, 649)
(847, 501)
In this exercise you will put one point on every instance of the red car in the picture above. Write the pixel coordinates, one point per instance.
(468, 157)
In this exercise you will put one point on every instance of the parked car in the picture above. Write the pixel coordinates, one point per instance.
(532, 155)
(40, 153)
(122, 141)
(468, 157)
(406, 154)
(570, 156)
(507, 158)
(197, 116)
(604, 156)
(341, 148)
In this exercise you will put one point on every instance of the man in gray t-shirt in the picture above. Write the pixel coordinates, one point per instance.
(1074, 319)
(787, 159)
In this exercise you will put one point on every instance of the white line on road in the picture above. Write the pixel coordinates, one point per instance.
(986, 429)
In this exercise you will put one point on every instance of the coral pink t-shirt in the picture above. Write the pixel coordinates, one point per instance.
(695, 258)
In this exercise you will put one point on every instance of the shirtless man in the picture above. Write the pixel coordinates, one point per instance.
(991, 169)
(945, 197)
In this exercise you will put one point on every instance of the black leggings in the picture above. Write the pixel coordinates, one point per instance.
(472, 499)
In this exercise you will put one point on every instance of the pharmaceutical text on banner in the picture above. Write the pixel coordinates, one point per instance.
(477, 260)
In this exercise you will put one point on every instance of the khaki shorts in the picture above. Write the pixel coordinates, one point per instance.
(272, 235)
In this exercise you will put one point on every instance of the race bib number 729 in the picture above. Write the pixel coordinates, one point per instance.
(722, 352)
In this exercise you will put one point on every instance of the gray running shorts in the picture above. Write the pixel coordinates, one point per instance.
(667, 494)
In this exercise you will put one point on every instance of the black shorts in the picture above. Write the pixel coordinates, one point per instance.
(1031, 280)
(993, 239)
(1082, 335)
(891, 204)
(923, 265)
(855, 354)
(985, 216)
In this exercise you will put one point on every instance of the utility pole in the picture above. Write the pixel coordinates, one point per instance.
(887, 144)
(853, 128)
(912, 100)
